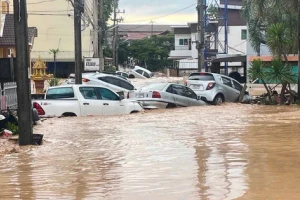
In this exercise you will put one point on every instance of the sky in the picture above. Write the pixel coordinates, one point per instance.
(145, 11)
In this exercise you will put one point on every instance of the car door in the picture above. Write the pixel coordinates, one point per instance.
(192, 96)
(231, 94)
(91, 103)
(112, 105)
(178, 94)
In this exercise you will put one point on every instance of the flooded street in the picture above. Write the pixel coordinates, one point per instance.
(228, 152)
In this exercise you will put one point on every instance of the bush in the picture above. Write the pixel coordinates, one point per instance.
(53, 82)
(110, 69)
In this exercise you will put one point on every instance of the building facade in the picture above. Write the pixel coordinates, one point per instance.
(186, 37)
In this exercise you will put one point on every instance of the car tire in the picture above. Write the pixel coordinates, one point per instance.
(171, 105)
(131, 76)
(218, 100)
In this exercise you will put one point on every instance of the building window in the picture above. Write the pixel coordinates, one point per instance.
(184, 42)
(244, 34)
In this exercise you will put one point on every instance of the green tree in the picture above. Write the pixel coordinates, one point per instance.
(274, 23)
(261, 14)
(258, 71)
(153, 51)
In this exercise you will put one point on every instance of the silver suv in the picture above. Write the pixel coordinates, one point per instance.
(215, 88)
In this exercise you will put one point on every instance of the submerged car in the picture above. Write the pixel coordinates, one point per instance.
(115, 83)
(215, 88)
(165, 95)
(140, 72)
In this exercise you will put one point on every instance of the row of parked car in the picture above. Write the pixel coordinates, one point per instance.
(108, 94)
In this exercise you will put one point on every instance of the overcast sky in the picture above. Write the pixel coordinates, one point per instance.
(143, 11)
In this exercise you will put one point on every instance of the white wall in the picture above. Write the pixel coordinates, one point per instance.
(234, 39)
(181, 50)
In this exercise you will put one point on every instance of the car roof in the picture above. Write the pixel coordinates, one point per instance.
(157, 86)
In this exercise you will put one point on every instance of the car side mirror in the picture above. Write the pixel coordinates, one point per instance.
(198, 98)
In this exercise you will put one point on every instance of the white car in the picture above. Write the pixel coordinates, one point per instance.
(165, 95)
(216, 88)
(140, 72)
(116, 84)
(83, 100)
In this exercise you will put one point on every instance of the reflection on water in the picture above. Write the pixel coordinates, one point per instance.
(226, 152)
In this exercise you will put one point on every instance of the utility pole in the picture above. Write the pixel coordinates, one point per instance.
(100, 34)
(116, 34)
(298, 49)
(21, 73)
(78, 8)
(201, 31)
(95, 29)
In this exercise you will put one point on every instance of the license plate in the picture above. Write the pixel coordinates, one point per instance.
(140, 96)
(196, 86)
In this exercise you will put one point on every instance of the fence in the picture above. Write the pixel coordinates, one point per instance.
(9, 97)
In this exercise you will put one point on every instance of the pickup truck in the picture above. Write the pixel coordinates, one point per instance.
(83, 100)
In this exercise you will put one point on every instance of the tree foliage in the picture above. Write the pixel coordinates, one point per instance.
(153, 51)
(260, 15)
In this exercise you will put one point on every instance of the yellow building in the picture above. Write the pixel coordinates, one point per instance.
(55, 22)
(7, 32)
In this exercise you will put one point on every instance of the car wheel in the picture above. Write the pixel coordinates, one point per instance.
(171, 105)
(218, 100)
(131, 76)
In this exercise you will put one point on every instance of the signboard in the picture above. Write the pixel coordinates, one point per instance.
(91, 64)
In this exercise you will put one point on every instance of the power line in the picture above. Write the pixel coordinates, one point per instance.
(177, 11)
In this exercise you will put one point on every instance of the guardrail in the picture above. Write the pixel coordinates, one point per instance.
(9, 95)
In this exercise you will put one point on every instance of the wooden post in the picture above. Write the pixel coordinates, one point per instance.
(21, 73)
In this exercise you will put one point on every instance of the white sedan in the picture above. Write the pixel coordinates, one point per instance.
(165, 95)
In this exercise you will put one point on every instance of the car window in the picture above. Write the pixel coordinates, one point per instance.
(237, 86)
(117, 82)
(146, 75)
(119, 73)
(125, 75)
(107, 94)
(126, 85)
(226, 81)
(60, 93)
(139, 71)
(178, 89)
(189, 93)
(201, 77)
(88, 92)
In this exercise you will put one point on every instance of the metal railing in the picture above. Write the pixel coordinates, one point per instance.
(10, 95)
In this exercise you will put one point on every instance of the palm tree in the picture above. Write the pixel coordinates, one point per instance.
(54, 52)
(261, 14)
(280, 72)
(258, 71)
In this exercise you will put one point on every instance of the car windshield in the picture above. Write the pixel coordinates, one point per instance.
(155, 86)
(202, 77)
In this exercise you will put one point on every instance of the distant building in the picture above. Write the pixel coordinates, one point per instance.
(140, 31)
(186, 37)
(7, 33)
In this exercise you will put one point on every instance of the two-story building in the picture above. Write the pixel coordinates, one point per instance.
(185, 54)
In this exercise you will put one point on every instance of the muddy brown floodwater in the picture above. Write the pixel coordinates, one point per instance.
(227, 152)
